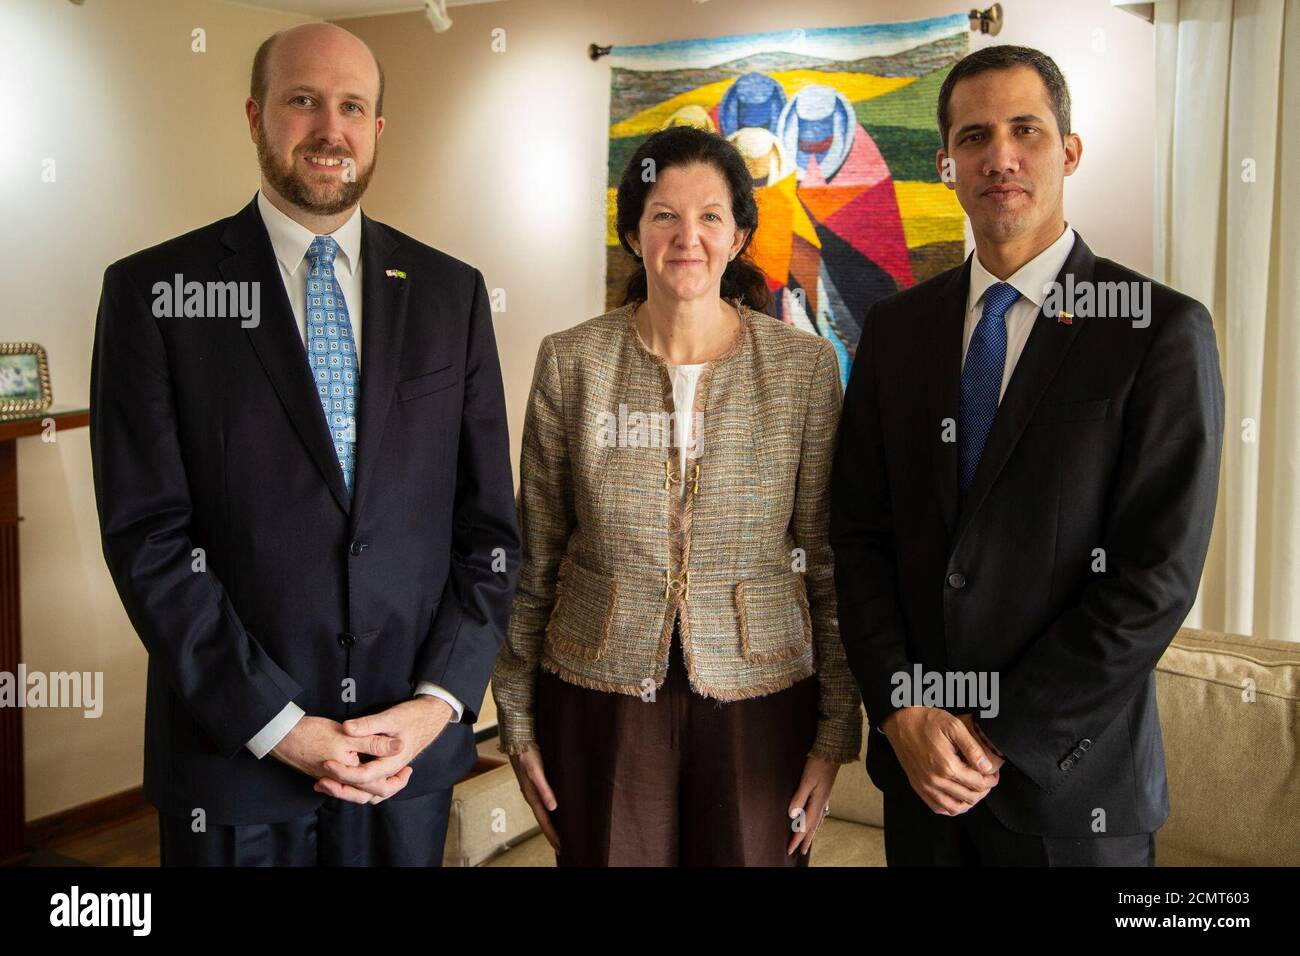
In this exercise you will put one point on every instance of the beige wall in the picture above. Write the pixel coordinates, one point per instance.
(497, 158)
(149, 141)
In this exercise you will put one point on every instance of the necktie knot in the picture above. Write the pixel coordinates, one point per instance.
(998, 298)
(322, 251)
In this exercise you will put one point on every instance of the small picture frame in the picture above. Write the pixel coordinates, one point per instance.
(24, 378)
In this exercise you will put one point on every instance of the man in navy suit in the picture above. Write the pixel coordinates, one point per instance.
(1021, 503)
(312, 530)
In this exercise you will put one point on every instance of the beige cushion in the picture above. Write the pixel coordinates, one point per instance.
(841, 843)
(1234, 777)
(534, 851)
(487, 813)
(854, 797)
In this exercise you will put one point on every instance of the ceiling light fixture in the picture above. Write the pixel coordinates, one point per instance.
(436, 11)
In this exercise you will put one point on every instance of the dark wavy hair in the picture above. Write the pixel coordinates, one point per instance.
(684, 146)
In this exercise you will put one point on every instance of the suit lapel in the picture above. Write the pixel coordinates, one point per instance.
(384, 323)
(944, 332)
(1045, 350)
(279, 345)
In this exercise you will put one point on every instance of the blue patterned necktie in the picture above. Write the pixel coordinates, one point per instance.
(981, 379)
(331, 352)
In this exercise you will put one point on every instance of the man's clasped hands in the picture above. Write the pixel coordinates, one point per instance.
(364, 759)
(949, 762)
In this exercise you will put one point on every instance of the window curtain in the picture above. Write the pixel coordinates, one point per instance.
(1227, 232)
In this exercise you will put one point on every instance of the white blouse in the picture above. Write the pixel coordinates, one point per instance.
(685, 378)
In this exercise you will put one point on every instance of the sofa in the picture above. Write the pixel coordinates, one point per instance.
(1230, 716)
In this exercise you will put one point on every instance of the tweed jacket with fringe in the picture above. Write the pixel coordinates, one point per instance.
(605, 572)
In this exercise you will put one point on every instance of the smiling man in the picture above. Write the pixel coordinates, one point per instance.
(318, 549)
(1024, 486)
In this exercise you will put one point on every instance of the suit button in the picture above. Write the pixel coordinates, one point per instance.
(957, 580)
(357, 547)
(1085, 743)
(346, 639)
(1067, 764)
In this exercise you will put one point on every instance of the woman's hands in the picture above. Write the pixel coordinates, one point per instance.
(536, 791)
(811, 802)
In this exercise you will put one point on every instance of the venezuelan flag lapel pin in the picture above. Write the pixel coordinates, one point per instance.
(395, 273)
(1064, 318)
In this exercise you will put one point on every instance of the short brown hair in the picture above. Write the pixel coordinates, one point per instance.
(1005, 57)
(258, 81)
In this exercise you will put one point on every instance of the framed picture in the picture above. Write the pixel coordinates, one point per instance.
(24, 378)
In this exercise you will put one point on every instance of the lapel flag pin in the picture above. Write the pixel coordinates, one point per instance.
(1065, 318)
(395, 273)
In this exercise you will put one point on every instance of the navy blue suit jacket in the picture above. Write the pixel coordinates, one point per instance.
(207, 434)
(1106, 443)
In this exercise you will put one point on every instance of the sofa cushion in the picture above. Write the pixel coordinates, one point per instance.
(854, 797)
(841, 843)
(1234, 776)
(534, 851)
(487, 813)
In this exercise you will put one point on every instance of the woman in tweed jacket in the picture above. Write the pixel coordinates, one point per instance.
(673, 689)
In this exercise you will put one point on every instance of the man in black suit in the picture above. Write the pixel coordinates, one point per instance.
(1022, 497)
(317, 545)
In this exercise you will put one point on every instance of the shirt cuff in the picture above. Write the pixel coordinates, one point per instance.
(276, 730)
(433, 690)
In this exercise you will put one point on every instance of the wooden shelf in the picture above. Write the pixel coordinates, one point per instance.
(25, 424)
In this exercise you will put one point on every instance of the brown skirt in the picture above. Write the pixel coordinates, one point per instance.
(681, 780)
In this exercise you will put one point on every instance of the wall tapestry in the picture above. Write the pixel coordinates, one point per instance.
(838, 129)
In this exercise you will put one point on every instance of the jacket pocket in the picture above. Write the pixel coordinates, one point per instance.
(435, 381)
(584, 612)
(1071, 412)
(775, 624)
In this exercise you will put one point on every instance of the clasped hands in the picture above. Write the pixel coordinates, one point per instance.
(948, 761)
(333, 752)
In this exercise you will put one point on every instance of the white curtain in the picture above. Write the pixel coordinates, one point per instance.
(1227, 232)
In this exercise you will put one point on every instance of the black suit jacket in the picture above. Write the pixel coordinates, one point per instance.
(209, 435)
(1108, 437)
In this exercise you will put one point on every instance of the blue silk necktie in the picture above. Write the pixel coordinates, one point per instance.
(332, 354)
(981, 380)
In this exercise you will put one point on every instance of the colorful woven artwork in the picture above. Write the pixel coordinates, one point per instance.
(838, 129)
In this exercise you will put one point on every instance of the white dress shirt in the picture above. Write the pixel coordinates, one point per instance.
(290, 240)
(1029, 280)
